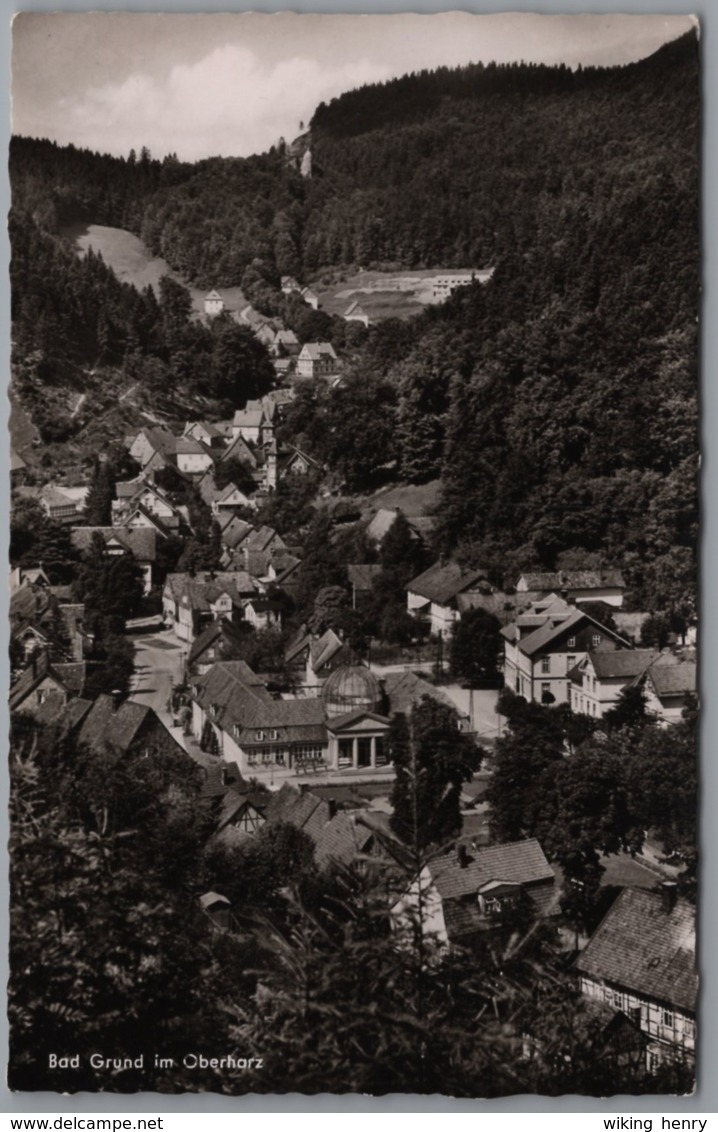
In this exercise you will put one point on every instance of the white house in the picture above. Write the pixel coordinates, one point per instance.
(317, 359)
(667, 687)
(213, 303)
(193, 457)
(544, 645)
(598, 680)
(578, 586)
(433, 595)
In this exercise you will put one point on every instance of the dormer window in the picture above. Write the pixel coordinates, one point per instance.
(259, 736)
(272, 734)
(571, 642)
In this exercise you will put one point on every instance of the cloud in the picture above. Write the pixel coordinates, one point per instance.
(228, 103)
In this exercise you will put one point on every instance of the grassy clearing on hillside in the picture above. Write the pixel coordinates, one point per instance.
(382, 294)
(414, 499)
(132, 262)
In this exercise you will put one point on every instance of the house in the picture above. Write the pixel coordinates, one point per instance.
(578, 585)
(317, 359)
(446, 283)
(193, 457)
(46, 686)
(544, 644)
(598, 680)
(218, 641)
(298, 463)
(239, 449)
(213, 303)
(191, 602)
(356, 313)
(667, 687)
(289, 284)
(208, 433)
(140, 542)
(282, 570)
(122, 725)
(286, 344)
(433, 595)
(241, 813)
(382, 522)
(314, 658)
(641, 961)
(405, 689)
(262, 612)
(28, 576)
(139, 493)
(154, 448)
(62, 505)
(250, 423)
(339, 732)
(229, 498)
(464, 893)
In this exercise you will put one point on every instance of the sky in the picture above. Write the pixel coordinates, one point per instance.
(231, 85)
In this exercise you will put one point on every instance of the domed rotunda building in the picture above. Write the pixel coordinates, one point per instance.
(352, 687)
(356, 727)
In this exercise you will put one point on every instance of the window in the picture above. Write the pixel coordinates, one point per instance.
(618, 1000)
(571, 642)
(669, 1018)
(545, 690)
(571, 661)
(545, 663)
(308, 753)
(595, 640)
(259, 735)
(252, 759)
(272, 735)
(236, 731)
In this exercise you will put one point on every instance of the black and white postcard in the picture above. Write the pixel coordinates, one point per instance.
(354, 524)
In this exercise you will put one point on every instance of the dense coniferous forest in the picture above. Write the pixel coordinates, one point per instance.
(557, 402)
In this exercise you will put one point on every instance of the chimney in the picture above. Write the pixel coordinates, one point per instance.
(116, 698)
(463, 855)
(669, 895)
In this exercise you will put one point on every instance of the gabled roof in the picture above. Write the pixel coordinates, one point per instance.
(141, 542)
(263, 538)
(302, 810)
(248, 418)
(518, 862)
(188, 446)
(342, 722)
(443, 581)
(105, 726)
(643, 946)
(213, 295)
(672, 679)
(315, 351)
(322, 649)
(219, 631)
(340, 841)
(405, 689)
(621, 662)
(575, 580)
(239, 449)
(160, 439)
(553, 628)
(41, 669)
(151, 520)
(235, 531)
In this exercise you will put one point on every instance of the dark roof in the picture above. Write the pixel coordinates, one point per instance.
(574, 580)
(141, 542)
(518, 862)
(72, 675)
(672, 679)
(341, 840)
(41, 669)
(555, 626)
(302, 810)
(644, 947)
(219, 631)
(443, 581)
(405, 689)
(234, 802)
(621, 662)
(105, 726)
(362, 576)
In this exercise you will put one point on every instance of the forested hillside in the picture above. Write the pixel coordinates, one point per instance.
(558, 402)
